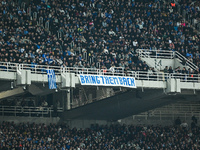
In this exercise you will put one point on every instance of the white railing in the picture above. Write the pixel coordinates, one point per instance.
(6, 66)
(147, 53)
(165, 54)
(118, 71)
(27, 111)
(186, 61)
(155, 54)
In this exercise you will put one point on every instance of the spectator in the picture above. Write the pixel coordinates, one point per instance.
(184, 125)
(166, 70)
(194, 119)
(82, 28)
(60, 136)
(44, 103)
(178, 122)
(170, 70)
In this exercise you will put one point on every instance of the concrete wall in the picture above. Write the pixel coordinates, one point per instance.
(36, 120)
(72, 123)
(146, 122)
(85, 123)
(166, 122)
(161, 63)
(39, 120)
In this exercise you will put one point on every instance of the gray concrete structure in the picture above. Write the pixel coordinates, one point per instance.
(153, 90)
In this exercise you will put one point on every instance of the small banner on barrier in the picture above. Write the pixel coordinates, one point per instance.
(102, 80)
(51, 79)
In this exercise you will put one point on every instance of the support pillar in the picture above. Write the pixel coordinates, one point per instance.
(67, 97)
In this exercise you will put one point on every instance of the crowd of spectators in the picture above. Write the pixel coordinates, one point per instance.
(92, 33)
(180, 70)
(190, 9)
(50, 137)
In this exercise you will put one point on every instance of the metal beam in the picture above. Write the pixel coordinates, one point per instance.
(13, 92)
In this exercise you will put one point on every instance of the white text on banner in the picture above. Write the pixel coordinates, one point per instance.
(51, 79)
(102, 80)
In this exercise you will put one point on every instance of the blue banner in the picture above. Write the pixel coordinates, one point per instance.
(102, 80)
(51, 79)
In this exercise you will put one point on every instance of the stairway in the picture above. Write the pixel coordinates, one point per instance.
(158, 59)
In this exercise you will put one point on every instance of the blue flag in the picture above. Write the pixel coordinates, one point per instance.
(51, 79)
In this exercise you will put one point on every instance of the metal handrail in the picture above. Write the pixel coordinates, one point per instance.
(157, 54)
(167, 54)
(189, 63)
(14, 110)
(147, 53)
(119, 71)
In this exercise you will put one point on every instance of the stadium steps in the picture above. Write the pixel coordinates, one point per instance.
(158, 59)
(183, 109)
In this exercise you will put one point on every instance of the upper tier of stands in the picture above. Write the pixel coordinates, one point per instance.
(93, 34)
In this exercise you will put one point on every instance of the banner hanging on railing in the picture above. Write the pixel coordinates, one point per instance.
(51, 79)
(102, 80)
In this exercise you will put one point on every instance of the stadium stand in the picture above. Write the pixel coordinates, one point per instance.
(93, 34)
(190, 11)
(97, 34)
(41, 136)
